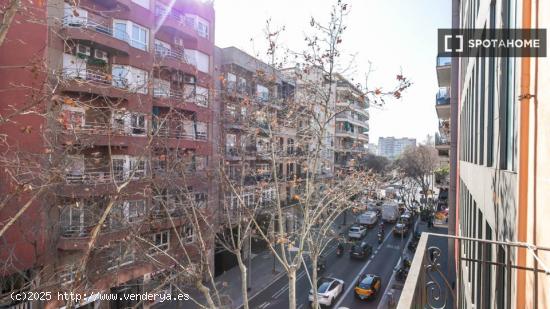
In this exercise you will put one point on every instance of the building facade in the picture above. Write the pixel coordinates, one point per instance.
(500, 169)
(352, 124)
(129, 119)
(392, 148)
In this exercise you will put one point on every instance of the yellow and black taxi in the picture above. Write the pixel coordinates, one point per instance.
(367, 286)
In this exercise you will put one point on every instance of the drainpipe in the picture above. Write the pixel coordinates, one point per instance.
(523, 158)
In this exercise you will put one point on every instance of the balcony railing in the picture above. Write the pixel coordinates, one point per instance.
(88, 178)
(443, 61)
(97, 128)
(164, 52)
(429, 286)
(443, 97)
(98, 24)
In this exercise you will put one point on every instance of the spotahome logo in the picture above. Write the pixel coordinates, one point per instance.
(492, 42)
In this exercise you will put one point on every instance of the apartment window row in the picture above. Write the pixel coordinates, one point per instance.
(484, 110)
(236, 83)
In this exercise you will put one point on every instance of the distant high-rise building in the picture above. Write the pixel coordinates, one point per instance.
(391, 147)
(372, 149)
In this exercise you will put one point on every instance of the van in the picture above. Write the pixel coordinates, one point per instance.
(390, 212)
(368, 218)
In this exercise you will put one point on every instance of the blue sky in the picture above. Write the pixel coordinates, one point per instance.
(394, 35)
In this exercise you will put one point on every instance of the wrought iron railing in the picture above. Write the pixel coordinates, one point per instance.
(428, 285)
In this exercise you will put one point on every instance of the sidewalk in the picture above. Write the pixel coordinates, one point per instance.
(264, 271)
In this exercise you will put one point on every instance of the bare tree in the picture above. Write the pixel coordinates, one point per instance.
(418, 163)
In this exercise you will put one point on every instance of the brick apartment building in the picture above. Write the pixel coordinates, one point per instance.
(122, 120)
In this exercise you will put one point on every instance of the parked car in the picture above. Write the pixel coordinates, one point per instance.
(368, 219)
(357, 232)
(367, 286)
(400, 229)
(328, 289)
(360, 250)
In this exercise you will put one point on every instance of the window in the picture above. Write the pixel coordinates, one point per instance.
(140, 37)
(74, 20)
(202, 131)
(137, 168)
(263, 168)
(200, 199)
(161, 88)
(142, 3)
(138, 124)
(202, 27)
(203, 62)
(262, 93)
(119, 256)
(267, 196)
(72, 220)
(162, 48)
(126, 166)
(201, 96)
(73, 67)
(134, 211)
(290, 146)
(120, 75)
(242, 85)
(187, 234)
(136, 35)
(231, 81)
(119, 30)
(161, 241)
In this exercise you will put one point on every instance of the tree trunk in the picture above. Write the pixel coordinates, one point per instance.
(244, 273)
(206, 292)
(314, 282)
(292, 287)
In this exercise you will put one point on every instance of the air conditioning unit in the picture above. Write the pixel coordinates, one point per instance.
(100, 54)
(83, 49)
(189, 79)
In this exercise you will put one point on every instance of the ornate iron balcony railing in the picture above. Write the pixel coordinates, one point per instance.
(429, 286)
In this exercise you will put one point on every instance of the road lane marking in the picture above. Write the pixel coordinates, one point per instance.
(351, 285)
(264, 305)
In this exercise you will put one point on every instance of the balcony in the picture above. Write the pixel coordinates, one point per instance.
(187, 95)
(180, 21)
(486, 264)
(443, 68)
(91, 27)
(443, 103)
(174, 58)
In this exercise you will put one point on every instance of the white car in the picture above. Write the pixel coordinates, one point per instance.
(328, 289)
(357, 232)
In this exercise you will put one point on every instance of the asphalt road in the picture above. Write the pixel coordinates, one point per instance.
(382, 262)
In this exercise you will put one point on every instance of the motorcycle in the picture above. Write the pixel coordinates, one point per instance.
(406, 263)
(401, 274)
(380, 237)
(340, 250)
(412, 245)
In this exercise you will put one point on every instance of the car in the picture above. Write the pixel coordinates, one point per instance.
(368, 219)
(400, 229)
(357, 232)
(360, 250)
(406, 219)
(328, 289)
(367, 286)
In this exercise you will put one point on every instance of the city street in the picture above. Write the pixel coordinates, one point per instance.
(382, 262)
